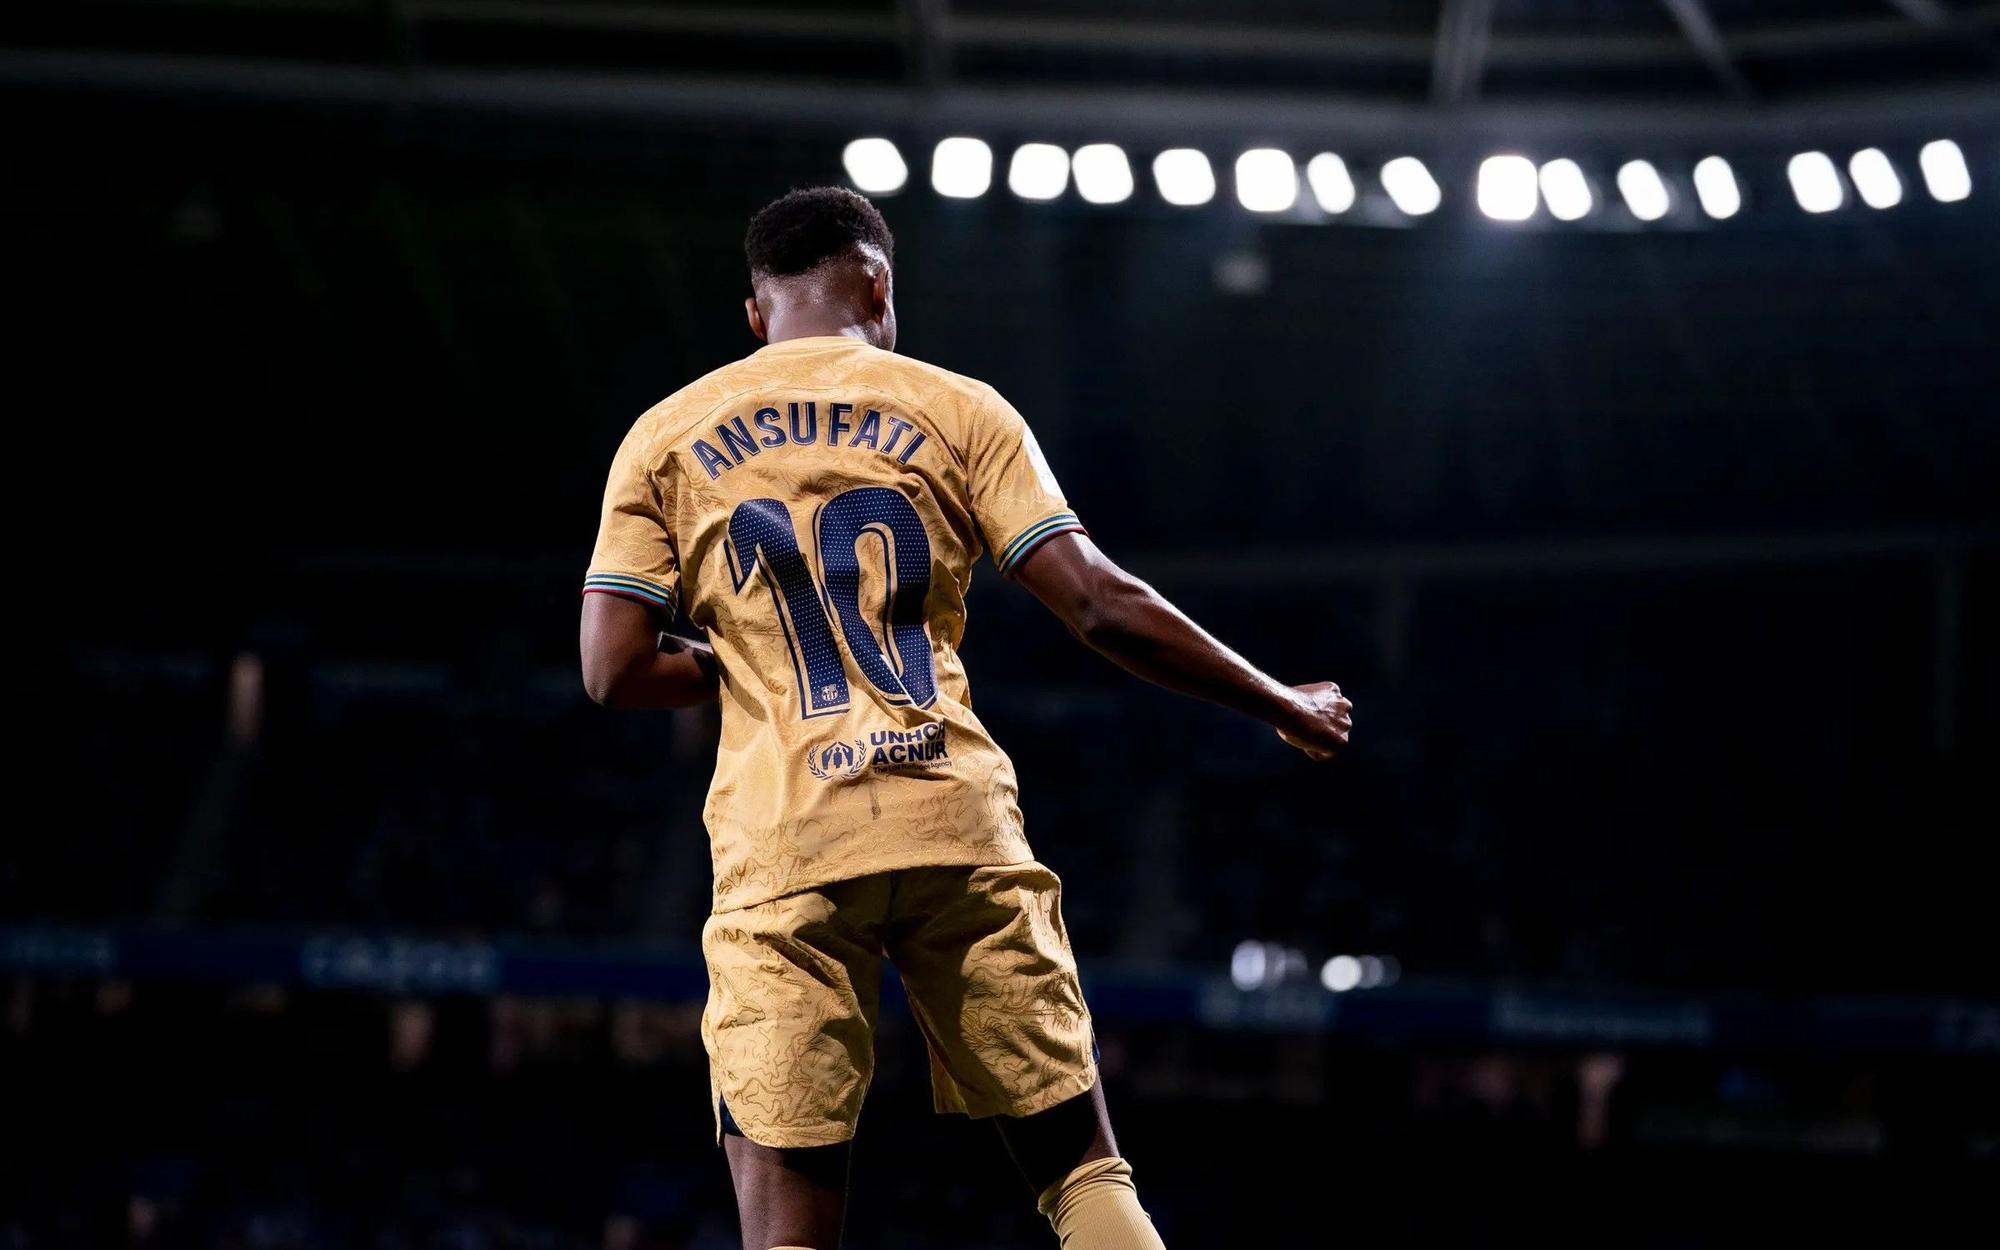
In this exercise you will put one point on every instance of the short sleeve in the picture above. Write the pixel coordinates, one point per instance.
(1015, 499)
(635, 556)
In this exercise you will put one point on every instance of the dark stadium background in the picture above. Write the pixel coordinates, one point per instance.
(1660, 562)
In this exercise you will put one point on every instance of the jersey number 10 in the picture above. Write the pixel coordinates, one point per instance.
(761, 535)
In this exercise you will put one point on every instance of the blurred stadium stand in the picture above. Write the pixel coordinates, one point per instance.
(1663, 564)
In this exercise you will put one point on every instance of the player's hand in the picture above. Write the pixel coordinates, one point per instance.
(1324, 719)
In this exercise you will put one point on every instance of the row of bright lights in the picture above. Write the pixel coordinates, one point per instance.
(1266, 965)
(1511, 188)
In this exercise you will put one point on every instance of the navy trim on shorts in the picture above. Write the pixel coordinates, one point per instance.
(728, 1120)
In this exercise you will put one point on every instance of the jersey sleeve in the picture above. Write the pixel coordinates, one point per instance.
(635, 557)
(1015, 499)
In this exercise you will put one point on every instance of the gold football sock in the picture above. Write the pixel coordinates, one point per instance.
(1096, 1207)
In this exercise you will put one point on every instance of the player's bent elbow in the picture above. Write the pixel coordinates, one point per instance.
(1108, 615)
(599, 687)
(602, 680)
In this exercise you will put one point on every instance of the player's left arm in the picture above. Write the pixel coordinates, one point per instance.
(628, 662)
(632, 593)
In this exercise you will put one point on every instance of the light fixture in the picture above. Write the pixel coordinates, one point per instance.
(1331, 184)
(1875, 179)
(1266, 180)
(1565, 190)
(1039, 171)
(1645, 194)
(1411, 186)
(875, 166)
(1103, 175)
(1944, 171)
(1507, 189)
(1815, 182)
(1184, 177)
(1715, 186)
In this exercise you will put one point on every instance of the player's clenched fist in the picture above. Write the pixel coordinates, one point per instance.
(1325, 717)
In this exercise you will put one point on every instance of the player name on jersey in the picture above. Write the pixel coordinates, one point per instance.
(800, 426)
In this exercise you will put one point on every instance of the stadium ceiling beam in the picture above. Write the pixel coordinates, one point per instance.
(1458, 59)
(927, 41)
(1064, 32)
(1128, 114)
(1929, 13)
(1699, 29)
(1963, 28)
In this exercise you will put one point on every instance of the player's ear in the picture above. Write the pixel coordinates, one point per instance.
(756, 316)
(879, 292)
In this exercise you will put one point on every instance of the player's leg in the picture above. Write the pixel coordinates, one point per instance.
(790, 1199)
(1069, 1157)
(993, 986)
(1049, 1145)
(794, 986)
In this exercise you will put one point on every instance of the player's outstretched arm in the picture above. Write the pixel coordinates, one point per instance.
(1135, 627)
(629, 663)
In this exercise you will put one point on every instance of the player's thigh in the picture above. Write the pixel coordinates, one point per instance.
(794, 990)
(992, 981)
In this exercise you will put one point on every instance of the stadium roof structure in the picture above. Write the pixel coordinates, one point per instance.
(1407, 71)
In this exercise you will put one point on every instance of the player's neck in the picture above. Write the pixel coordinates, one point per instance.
(815, 325)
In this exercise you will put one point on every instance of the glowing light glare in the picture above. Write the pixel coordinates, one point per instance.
(1103, 175)
(1507, 189)
(1644, 193)
(1247, 965)
(1266, 180)
(1815, 182)
(1331, 184)
(1039, 171)
(1371, 972)
(1875, 179)
(1715, 186)
(1184, 177)
(1341, 973)
(875, 166)
(1944, 171)
(1411, 186)
(961, 168)
(1565, 190)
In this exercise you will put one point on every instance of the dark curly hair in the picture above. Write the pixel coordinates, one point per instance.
(803, 228)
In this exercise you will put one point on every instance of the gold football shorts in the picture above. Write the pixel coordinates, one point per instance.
(795, 985)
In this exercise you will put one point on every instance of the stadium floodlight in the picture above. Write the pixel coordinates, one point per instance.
(875, 166)
(1343, 972)
(1249, 964)
(1411, 186)
(1103, 175)
(1184, 177)
(961, 168)
(1565, 190)
(1331, 184)
(1266, 180)
(1507, 190)
(1944, 171)
(1875, 179)
(1645, 194)
(1039, 171)
(1715, 186)
(1815, 182)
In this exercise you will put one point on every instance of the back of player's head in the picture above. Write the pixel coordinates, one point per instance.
(803, 229)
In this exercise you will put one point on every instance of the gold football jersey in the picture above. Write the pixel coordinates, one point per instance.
(819, 504)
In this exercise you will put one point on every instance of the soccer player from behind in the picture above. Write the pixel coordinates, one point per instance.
(817, 508)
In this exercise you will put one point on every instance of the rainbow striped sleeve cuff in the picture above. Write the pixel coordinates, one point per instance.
(626, 586)
(1010, 556)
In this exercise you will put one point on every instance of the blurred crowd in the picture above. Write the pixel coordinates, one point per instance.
(155, 1117)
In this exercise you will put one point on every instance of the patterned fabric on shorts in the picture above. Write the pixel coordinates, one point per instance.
(795, 990)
